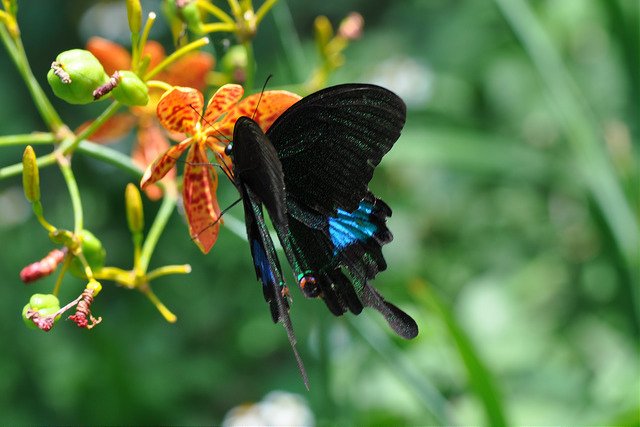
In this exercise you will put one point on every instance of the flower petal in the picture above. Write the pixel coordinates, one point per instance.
(163, 164)
(179, 109)
(272, 105)
(189, 71)
(111, 55)
(150, 144)
(224, 98)
(114, 128)
(199, 197)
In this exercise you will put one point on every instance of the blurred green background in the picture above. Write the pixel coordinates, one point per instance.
(515, 191)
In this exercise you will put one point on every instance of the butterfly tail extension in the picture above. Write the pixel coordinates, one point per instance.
(400, 322)
(269, 273)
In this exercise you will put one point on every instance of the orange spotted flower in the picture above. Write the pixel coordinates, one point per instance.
(179, 111)
(190, 70)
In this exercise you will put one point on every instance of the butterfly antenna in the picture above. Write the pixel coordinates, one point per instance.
(208, 123)
(217, 219)
(225, 168)
(264, 86)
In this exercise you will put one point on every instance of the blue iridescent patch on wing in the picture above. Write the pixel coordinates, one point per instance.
(346, 228)
(262, 263)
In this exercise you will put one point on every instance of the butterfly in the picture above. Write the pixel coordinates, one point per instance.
(311, 171)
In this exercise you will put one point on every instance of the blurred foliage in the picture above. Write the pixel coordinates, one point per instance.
(507, 251)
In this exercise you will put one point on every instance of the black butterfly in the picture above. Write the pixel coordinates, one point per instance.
(311, 171)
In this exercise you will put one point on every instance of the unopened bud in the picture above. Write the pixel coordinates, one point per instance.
(30, 175)
(351, 26)
(134, 15)
(323, 30)
(133, 201)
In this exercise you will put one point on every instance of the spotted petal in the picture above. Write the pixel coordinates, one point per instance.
(179, 109)
(151, 143)
(163, 164)
(272, 105)
(199, 195)
(224, 98)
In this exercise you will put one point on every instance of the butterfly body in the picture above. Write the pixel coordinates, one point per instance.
(311, 171)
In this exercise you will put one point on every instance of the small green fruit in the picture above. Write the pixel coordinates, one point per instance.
(93, 252)
(131, 90)
(74, 76)
(44, 304)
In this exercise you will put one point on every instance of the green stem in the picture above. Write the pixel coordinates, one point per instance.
(216, 11)
(168, 269)
(263, 10)
(151, 18)
(217, 27)
(36, 138)
(16, 169)
(17, 53)
(68, 148)
(160, 221)
(175, 55)
(111, 156)
(72, 185)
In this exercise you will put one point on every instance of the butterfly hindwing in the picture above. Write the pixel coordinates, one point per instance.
(267, 266)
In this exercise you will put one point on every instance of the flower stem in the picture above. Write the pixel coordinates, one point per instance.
(143, 38)
(218, 27)
(175, 55)
(17, 53)
(166, 313)
(68, 148)
(160, 221)
(111, 156)
(216, 11)
(16, 169)
(36, 138)
(263, 9)
(74, 193)
(168, 269)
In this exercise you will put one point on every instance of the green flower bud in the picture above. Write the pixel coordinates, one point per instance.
(30, 175)
(191, 16)
(323, 32)
(135, 217)
(234, 63)
(74, 76)
(93, 252)
(131, 90)
(134, 15)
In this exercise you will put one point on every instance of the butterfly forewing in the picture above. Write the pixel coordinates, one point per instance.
(330, 142)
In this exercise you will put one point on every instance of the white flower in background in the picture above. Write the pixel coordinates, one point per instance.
(278, 408)
(409, 79)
